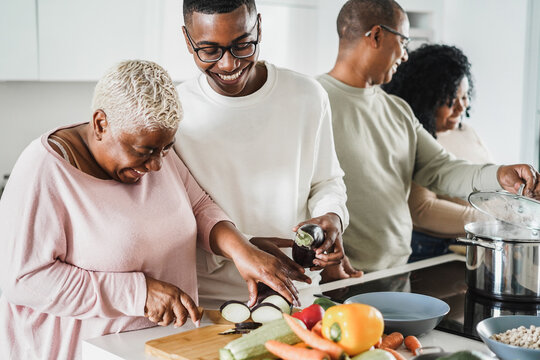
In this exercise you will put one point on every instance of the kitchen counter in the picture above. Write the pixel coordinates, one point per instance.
(130, 345)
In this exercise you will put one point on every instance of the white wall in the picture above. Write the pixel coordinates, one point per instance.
(29, 109)
(491, 32)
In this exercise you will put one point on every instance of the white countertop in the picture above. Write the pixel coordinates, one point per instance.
(130, 345)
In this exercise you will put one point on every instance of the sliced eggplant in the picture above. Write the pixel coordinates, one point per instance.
(266, 294)
(308, 237)
(235, 311)
(248, 325)
(266, 312)
(235, 331)
(280, 302)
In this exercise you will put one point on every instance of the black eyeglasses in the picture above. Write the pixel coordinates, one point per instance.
(214, 53)
(406, 39)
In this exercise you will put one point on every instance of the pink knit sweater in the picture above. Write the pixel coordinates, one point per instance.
(74, 250)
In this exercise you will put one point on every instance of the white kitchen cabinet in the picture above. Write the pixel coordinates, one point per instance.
(18, 40)
(79, 40)
(286, 41)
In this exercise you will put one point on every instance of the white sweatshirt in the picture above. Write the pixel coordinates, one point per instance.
(267, 159)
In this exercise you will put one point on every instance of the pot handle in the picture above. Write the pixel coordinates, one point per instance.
(475, 241)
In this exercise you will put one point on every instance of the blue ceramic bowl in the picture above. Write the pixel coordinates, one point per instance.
(407, 313)
(495, 325)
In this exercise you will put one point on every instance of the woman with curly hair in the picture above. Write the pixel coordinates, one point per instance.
(437, 84)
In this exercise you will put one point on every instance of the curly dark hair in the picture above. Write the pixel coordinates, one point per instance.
(430, 79)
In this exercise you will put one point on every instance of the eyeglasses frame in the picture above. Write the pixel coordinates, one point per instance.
(395, 32)
(224, 49)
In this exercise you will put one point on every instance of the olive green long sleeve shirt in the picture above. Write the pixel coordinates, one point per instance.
(382, 147)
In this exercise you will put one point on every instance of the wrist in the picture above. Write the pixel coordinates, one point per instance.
(226, 240)
(336, 219)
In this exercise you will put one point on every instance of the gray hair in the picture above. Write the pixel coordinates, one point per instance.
(137, 94)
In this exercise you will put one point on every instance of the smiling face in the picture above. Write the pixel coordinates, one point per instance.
(394, 50)
(127, 157)
(230, 76)
(447, 117)
(390, 50)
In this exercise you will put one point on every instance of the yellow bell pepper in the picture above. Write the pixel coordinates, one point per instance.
(354, 327)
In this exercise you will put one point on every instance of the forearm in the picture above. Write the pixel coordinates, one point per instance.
(226, 240)
(441, 172)
(65, 290)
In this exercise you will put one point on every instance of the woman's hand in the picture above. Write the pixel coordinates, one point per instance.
(256, 265)
(165, 303)
(331, 251)
(512, 176)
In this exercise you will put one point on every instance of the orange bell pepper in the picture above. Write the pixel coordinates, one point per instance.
(354, 327)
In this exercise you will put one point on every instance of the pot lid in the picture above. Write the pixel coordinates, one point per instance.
(510, 208)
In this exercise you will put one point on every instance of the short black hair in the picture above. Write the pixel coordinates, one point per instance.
(357, 17)
(430, 79)
(215, 7)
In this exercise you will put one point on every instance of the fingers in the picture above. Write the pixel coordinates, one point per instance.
(155, 316)
(349, 269)
(284, 286)
(167, 318)
(252, 289)
(511, 177)
(293, 270)
(529, 175)
(180, 313)
(192, 308)
(283, 243)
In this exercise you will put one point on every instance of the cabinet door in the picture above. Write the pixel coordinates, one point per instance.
(18, 40)
(81, 39)
(289, 35)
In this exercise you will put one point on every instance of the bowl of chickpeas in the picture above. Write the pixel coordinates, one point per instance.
(512, 337)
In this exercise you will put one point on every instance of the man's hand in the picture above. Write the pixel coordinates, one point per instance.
(342, 271)
(331, 251)
(512, 176)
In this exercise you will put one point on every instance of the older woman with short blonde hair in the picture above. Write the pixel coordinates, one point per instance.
(100, 221)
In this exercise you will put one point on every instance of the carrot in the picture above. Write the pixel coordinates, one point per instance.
(392, 341)
(302, 345)
(412, 343)
(290, 352)
(317, 328)
(314, 340)
(396, 355)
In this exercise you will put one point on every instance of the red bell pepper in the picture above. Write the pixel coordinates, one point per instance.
(310, 315)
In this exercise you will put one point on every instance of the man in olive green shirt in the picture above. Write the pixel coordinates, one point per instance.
(382, 147)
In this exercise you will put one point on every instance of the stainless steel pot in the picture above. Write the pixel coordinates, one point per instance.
(503, 261)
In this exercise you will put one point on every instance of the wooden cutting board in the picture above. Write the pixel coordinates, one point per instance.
(202, 343)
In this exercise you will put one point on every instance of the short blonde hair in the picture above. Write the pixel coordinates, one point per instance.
(137, 94)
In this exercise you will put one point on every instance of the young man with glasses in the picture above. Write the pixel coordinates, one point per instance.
(258, 139)
(382, 146)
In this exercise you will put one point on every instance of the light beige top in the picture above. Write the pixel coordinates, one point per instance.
(381, 147)
(440, 215)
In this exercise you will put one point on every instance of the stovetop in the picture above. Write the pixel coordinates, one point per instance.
(444, 281)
